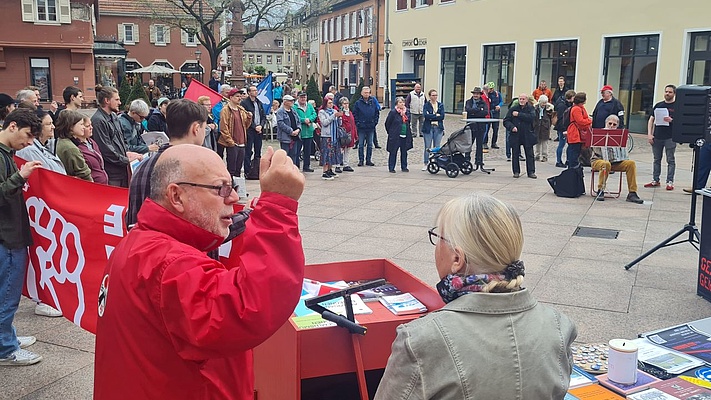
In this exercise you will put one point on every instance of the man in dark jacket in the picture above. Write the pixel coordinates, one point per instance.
(132, 129)
(560, 90)
(156, 122)
(477, 108)
(561, 106)
(519, 121)
(215, 81)
(109, 136)
(366, 114)
(254, 133)
(608, 105)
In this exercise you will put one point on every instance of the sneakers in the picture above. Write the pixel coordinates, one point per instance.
(652, 184)
(392, 171)
(347, 169)
(493, 146)
(369, 163)
(360, 163)
(560, 165)
(327, 177)
(424, 168)
(26, 341)
(339, 170)
(533, 176)
(308, 170)
(405, 170)
(21, 357)
(516, 175)
(633, 198)
(508, 159)
(331, 173)
(486, 147)
(600, 195)
(46, 310)
(670, 185)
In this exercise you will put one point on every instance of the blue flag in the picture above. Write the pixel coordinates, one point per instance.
(264, 93)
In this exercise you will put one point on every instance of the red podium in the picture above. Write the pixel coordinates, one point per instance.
(293, 357)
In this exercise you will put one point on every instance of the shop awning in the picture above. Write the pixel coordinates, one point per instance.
(131, 64)
(109, 50)
(191, 67)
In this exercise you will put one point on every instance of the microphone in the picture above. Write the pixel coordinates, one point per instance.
(344, 322)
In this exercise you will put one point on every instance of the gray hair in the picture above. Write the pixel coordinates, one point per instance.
(139, 107)
(612, 117)
(164, 173)
(24, 94)
(225, 88)
(399, 98)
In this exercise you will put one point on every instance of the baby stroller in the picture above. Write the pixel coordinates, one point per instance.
(450, 156)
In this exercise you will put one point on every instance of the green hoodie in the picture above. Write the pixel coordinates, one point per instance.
(307, 131)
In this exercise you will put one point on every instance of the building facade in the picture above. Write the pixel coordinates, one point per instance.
(265, 49)
(635, 46)
(48, 44)
(148, 41)
(351, 39)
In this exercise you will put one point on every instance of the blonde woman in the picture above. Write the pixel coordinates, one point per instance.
(492, 340)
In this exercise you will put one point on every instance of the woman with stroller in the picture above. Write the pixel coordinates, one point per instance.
(330, 120)
(433, 128)
(399, 135)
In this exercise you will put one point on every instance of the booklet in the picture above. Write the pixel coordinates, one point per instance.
(669, 360)
(387, 289)
(580, 378)
(155, 137)
(403, 304)
(684, 338)
(672, 389)
(644, 380)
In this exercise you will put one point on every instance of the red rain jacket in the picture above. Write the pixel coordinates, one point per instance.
(180, 325)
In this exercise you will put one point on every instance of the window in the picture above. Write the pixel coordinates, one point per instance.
(338, 27)
(401, 5)
(128, 33)
(361, 23)
(269, 59)
(280, 43)
(278, 60)
(354, 25)
(554, 59)
(259, 58)
(499, 68)
(189, 39)
(288, 57)
(454, 71)
(251, 58)
(40, 77)
(160, 35)
(46, 11)
(369, 21)
(631, 69)
(421, 3)
(331, 32)
(699, 72)
(323, 31)
(346, 26)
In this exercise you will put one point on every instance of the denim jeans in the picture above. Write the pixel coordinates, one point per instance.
(559, 150)
(12, 273)
(494, 132)
(292, 150)
(254, 148)
(364, 136)
(573, 154)
(432, 140)
(660, 146)
(306, 144)
(704, 166)
(392, 157)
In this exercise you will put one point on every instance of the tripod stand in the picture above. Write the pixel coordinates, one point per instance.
(690, 227)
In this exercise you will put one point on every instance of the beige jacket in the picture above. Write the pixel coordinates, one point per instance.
(228, 137)
(482, 346)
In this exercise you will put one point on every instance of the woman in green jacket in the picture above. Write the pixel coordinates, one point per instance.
(308, 116)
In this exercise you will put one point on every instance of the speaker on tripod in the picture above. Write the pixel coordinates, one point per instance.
(692, 125)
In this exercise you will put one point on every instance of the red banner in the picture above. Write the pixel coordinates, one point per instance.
(197, 89)
(75, 226)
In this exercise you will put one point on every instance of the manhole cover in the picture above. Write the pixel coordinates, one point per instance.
(599, 233)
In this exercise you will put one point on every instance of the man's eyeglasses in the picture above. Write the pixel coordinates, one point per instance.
(435, 237)
(224, 190)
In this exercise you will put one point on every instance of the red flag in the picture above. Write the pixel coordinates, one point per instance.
(197, 89)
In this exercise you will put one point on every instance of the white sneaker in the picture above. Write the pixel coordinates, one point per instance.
(46, 310)
(26, 341)
(424, 167)
(21, 357)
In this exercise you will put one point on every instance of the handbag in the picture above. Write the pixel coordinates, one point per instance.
(585, 135)
(344, 138)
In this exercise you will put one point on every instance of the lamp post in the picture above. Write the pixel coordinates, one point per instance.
(366, 58)
(198, 53)
(388, 49)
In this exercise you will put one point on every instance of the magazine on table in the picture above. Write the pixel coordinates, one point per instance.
(403, 304)
(684, 338)
(669, 360)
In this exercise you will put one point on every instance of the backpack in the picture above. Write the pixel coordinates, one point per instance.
(566, 118)
(569, 183)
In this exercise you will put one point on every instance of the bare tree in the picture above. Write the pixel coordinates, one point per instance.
(203, 18)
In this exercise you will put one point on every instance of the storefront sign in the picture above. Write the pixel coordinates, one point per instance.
(351, 49)
(414, 42)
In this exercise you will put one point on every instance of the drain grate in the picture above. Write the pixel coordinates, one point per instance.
(599, 233)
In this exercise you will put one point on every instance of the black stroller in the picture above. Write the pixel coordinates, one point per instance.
(451, 155)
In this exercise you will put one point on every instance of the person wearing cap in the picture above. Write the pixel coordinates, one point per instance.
(542, 89)
(254, 134)
(7, 104)
(156, 122)
(496, 101)
(608, 105)
(476, 108)
(308, 116)
(519, 121)
(659, 135)
(415, 102)
(289, 128)
(234, 123)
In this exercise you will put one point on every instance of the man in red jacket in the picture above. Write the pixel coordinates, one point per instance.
(176, 324)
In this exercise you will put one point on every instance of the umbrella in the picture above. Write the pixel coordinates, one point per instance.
(155, 69)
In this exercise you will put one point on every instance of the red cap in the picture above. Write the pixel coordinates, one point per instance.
(606, 87)
(232, 92)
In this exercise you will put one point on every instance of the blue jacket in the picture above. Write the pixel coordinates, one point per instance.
(429, 113)
(284, 130)
(216, 110)
(366, 114)
(495, 99)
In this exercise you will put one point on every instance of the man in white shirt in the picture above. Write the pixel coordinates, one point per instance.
(414, 102)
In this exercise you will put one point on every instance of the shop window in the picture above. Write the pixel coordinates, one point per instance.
(699, 72)
(631, 68)
(454, 71)
(499, 68)
(40, 77)
(554, 59)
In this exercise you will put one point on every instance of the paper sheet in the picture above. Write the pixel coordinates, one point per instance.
(659, 114)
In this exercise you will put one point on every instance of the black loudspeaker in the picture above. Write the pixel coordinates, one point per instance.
(692, 114)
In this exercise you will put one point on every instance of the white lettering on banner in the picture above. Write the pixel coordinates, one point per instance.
(68, 243)
(113, 225)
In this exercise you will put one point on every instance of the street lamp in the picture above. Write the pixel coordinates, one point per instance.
(388, 45)
(198, 53)
(366, 58)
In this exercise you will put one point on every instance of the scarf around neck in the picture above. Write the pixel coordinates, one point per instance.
(454, 286)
